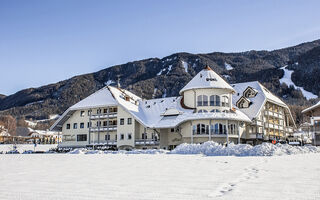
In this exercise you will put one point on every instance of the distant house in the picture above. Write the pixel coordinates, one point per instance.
(313, 114)
(4, 135)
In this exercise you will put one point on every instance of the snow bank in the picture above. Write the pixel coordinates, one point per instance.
(148, 151)
(215, 149)
(265, 149)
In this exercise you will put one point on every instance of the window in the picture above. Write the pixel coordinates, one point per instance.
(98, 123)
(75, 125)
(129, 120)
(217, 100)
(232, 129)
(129, 136)
(144, 136)
(89, 124)
(225, 101)
(89, 112)
(205, 100)
(99, 111)
(172, 130)
(214, 100)
(121, 136)
(215, 111)
(122, 121)
(105, 110)
(105, 123)
(82, 113)
(201, 129)
(107, 137)
(202, 100)
(82, 125)
(68, 126)
(82, 137)
(199, 100)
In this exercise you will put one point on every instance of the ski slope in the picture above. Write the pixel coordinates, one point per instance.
(287, 79)
(159, 176)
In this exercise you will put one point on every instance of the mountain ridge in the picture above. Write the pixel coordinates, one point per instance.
(159, 77)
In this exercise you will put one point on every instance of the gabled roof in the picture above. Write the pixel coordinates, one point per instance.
(207, 78)
(258, 101)
(311, 108)
(100, 98)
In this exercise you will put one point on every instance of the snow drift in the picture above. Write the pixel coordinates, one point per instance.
(214, 149)
(265, 149)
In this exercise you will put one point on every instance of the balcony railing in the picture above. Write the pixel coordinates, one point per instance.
(256, 136)
(104, 128)
(147, 142)
(104, 115)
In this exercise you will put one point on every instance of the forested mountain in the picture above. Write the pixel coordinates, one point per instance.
(156, 77)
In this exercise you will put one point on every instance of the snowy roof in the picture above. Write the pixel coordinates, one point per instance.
(312, 107)
(4, 133)
(207, 78)
(101, 98)
(151, 113)
(258, 101)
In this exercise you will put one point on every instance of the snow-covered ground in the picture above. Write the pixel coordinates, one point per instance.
(162, 176)
(287, 79)
(25, 147)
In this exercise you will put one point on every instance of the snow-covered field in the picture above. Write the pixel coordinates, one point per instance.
(158, 176)
(25, 147)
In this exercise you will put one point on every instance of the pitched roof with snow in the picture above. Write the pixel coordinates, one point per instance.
(311, 108)
(168, 112)
(258, 101)
(101, 98)
(207, 78)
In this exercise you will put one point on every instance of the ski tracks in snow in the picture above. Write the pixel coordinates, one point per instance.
(249, 173)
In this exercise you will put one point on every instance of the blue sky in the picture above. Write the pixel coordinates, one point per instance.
(44, 41)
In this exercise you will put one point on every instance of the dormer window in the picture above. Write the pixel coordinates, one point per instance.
(243, 103)
(250, 92)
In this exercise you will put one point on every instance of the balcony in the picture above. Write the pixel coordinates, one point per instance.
(256, 136)
(103, 116)
(104, 128)
(146, 142)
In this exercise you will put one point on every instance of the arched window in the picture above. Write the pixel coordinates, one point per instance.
(215, 111)
(214, 100)
(216, 129)
(225, 101)
(199, 98)
(226, 111)
(202, 111)
(202, 100)
(217, 100)
(205, 100)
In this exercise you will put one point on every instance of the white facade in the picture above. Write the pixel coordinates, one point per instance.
(114, 117)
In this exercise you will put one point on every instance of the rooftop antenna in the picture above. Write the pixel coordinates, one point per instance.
(118, 81)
